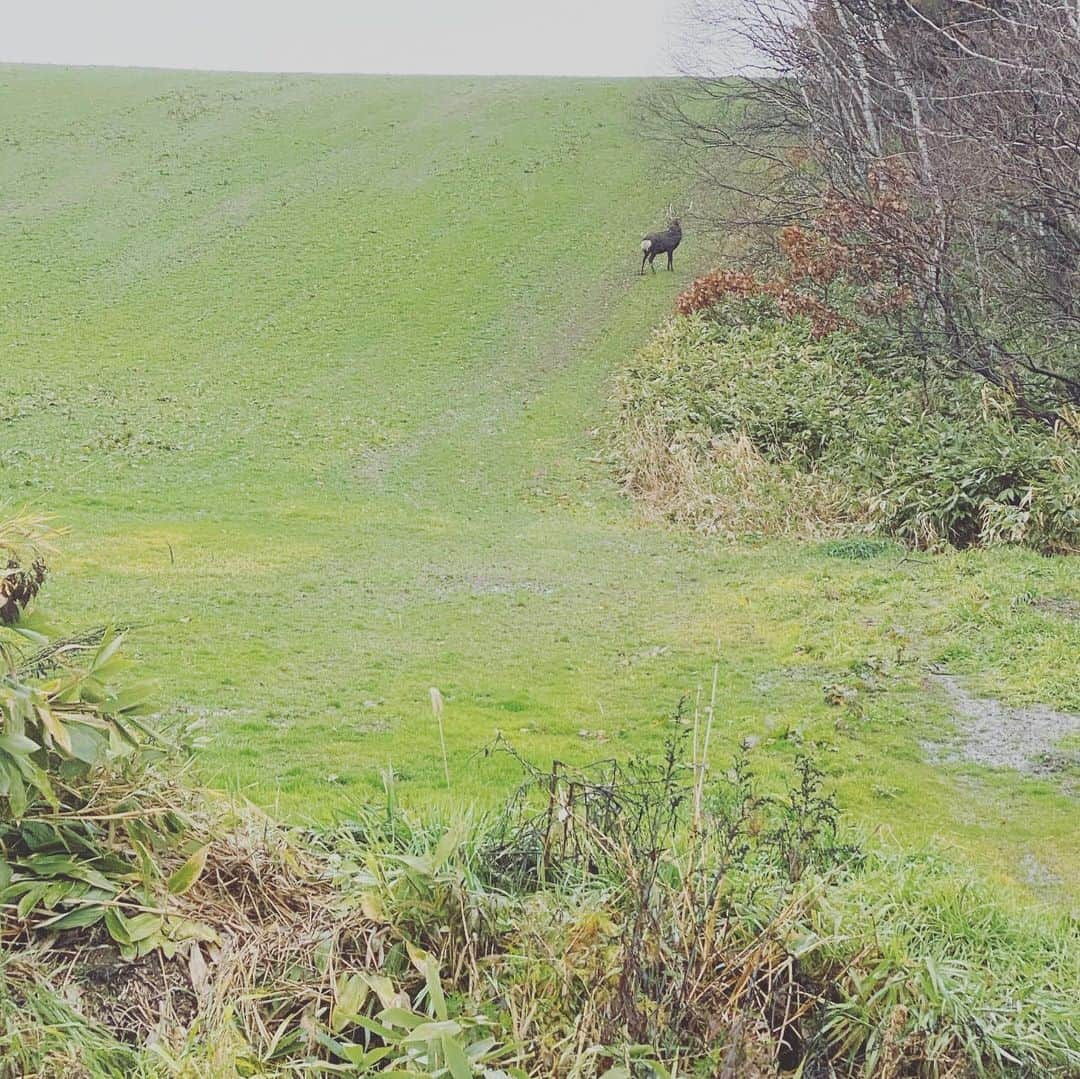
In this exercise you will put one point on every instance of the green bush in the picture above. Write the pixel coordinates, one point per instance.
(847, 429)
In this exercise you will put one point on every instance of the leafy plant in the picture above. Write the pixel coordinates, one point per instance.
(404, 1037)
(81, 838)
(84, 834)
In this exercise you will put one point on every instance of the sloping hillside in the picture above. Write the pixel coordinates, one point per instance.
(313, 369)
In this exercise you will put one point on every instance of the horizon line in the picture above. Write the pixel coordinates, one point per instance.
(343, 74)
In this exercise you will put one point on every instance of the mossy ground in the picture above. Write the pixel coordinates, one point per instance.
(316, 372)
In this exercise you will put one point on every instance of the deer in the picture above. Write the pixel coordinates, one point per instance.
(660, 243)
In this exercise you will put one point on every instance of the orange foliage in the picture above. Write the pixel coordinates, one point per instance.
(872, 245)
(713, 287)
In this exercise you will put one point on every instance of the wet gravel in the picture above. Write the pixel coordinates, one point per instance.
(1026, 738)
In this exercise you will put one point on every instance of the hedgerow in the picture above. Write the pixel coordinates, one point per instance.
(743, 417)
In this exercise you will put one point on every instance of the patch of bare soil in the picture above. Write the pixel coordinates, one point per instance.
(1026, 739)
(1061, 606)
(274, 934)
(486, 584)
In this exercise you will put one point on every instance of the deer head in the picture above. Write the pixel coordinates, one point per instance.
(675, 216)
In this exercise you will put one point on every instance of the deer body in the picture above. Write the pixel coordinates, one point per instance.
(660, 243)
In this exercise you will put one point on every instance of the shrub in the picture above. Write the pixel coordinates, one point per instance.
(650, 912)
(742, 419)
(721, 285)
(89, 832)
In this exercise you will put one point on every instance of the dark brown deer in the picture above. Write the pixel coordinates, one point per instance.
(659, 243)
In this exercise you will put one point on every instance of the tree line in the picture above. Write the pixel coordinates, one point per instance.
(921, 159)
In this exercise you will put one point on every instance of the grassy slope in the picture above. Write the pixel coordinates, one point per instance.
(310, 366)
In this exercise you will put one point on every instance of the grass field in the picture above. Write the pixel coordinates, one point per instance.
(315, 370)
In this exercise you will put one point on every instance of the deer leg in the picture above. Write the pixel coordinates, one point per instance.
(652, 256)
(643, 258)
(670, 266)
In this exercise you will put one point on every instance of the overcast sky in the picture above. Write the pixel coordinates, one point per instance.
(550, 37)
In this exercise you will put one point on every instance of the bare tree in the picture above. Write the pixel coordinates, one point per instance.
(948, 133)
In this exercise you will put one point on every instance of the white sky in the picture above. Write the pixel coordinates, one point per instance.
(549, 37)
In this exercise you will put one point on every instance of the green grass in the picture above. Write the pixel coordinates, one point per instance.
(316, 371)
